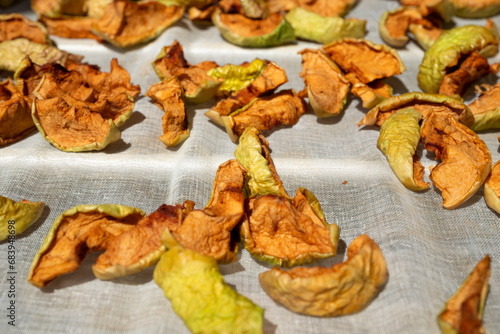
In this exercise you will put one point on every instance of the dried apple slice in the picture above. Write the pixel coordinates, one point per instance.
(277, 228)
(167, 95)
(265, 113)
(449, 49)
(465, 158)
(211, 231)
(195, 287)
(117, 81)
(463, 312)
(394, 25)
(486, 109)
(286, 233)
(367, 60)
(492, 188)
(107, 96)
(326, 86)
(315, 27)
(476, 8)
(13, 52)
(253, 153)
(244, 84)
(237, 77)
(398, 140)
(51, 80)
(126, 23)
(326, 8)
(423, 103)
(70, 26)
(54, 8)
(76, 231)
(471, 69)
(197, 84)
(14, 26)
(371, 93)
(242, 31)
(16, 217)
(15, 114)
(344, 288)
(73, 129)
(139, 247)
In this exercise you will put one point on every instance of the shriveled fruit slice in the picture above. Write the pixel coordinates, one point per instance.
(463, 312)
(492, 188)
(139, 247)
(265, 113)
(71, 128)
(367, 60)
(398, 140)
(253, 153)
(277, 228)
(425, 33)
(486, 109)
(76, 231)
(326, 86)
(14, 51)
(198, 86)
(126, 23)
(237, 77)
(465, 158)
(288, 233)
(344, 288)
(167, 95)
(16, 217)
(449, 49)
(169, 58)
(15, 114)
(103, 93)
(476, 8)
(195, 287)
(53, 8)
(394, 25)
(201, 16)
(423, 103)
(70, 26)
(325, 8)
(14, 26)
(211, 231)
(51, 80)
(471, 69)
(116, 81)
(371, 93)
(245, 84)
(314, 27)
(242, 31)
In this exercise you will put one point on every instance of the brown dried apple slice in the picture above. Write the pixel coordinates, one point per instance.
(126, 23)
(71, 128)
(141, 246)
(465, 158)
(344, 288)
(15, 114)
(326, 86)
(15, 25)
(210, 231)
(167, 95)
(367, 60)
(283, 108)
(463, 312)
(75, 232)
